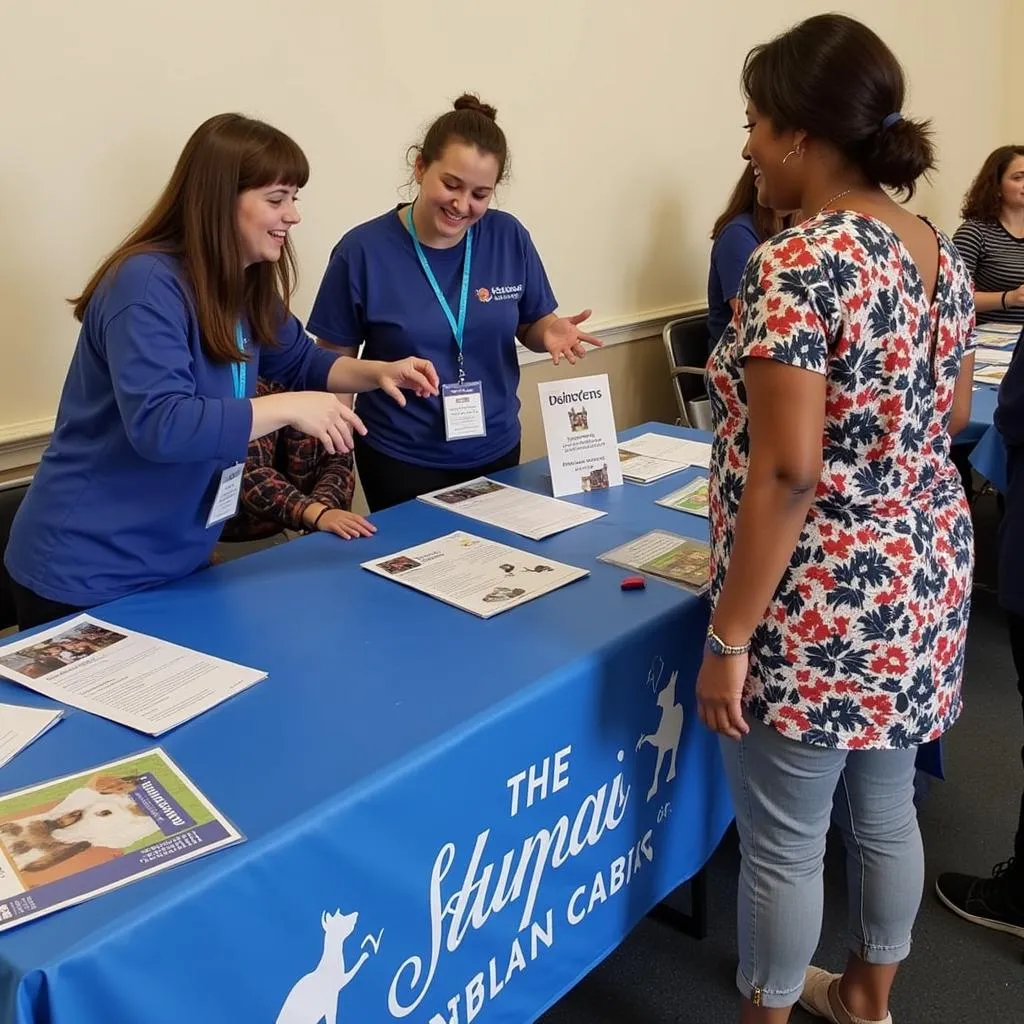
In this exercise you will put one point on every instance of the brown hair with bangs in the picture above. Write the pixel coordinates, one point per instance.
(196, 220)
(744, 200)
(984, 199)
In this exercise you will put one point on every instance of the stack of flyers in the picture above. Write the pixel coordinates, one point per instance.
(692, 498)
(682, 561)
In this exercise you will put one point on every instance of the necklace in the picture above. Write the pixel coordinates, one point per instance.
(834, 199)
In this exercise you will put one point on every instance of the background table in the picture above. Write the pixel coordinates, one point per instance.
(372, 766)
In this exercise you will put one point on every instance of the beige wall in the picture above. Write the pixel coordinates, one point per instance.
(625, 137)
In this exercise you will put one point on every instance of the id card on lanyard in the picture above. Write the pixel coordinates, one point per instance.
(229, 490)
(463, 402)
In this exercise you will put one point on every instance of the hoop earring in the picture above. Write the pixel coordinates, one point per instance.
(792, 152)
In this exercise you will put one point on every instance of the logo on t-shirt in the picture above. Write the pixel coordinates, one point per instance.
(500, 293)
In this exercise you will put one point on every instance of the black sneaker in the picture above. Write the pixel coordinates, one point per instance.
(996, 902)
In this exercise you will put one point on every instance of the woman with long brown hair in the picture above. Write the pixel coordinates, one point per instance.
(157, 411)
(741, 227)
(991, 238)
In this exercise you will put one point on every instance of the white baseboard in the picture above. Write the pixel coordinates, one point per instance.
(23, 444)
(625, 329)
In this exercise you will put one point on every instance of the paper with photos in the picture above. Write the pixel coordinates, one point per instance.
(136, 680)
(680, 560)
(477, 575)
(533, 515)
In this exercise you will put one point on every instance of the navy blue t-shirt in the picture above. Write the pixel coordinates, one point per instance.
(375, 291)
(732, 248)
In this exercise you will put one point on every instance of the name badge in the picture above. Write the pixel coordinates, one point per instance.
(225, 503)
(463, 410)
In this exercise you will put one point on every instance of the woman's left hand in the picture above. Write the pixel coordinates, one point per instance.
(562, 337)
(411, 374)
(720, 685)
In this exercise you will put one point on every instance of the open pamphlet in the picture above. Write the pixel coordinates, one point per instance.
(131, 678)
(680, 560)
(20, 726)
(579, 431)
(474, 574)
(992, 375)
(66, 841)
(533, 515)
(651, 456)
(992, 356)
(692, 498)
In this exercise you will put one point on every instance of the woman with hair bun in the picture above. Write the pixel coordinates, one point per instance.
(842, 550)
(448, 276)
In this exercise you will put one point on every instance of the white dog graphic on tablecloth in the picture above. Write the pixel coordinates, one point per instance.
(666, 739)
(314, 997)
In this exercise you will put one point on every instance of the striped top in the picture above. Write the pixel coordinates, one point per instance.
(995, 260)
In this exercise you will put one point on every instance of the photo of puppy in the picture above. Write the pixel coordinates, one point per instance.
(100, 819)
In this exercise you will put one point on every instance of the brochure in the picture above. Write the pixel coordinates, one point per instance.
(131, 678)
(20, 726)
(692, 498)
(651, 456)
(474, 574)
(66, 841)
(533, 515)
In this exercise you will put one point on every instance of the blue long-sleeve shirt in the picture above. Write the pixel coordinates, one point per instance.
(1009, 421)
(146, 425)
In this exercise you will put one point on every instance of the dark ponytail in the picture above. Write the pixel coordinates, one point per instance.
(834, 78)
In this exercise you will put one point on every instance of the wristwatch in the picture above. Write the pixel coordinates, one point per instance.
(716, 645)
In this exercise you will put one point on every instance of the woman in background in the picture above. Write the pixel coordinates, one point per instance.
(449, 279)
(991, 238)
(742, 226)
(841, 540)
(158, 407)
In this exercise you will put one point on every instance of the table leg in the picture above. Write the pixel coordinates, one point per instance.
(692, 922)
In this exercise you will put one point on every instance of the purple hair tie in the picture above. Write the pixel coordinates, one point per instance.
(890, 119)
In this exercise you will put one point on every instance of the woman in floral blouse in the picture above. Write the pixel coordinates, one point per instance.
(842, 549)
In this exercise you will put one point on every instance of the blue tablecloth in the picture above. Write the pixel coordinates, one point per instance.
(983, 406)
(375, 772)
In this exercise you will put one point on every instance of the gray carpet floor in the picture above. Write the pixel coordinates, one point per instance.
(957, 973)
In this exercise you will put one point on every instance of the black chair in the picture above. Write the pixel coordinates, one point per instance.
(686, 345)
(10, 499)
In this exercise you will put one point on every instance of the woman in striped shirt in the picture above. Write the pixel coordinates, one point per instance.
(991, 238)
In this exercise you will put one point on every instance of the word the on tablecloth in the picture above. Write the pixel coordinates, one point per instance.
(525, 512)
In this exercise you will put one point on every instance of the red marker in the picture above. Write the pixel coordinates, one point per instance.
(633, 583)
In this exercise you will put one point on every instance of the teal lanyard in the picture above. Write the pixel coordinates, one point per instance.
(238, 369)
(458, 326)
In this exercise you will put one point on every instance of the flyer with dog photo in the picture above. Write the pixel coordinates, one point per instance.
(477, 575)
(66, 841)
(131, 678)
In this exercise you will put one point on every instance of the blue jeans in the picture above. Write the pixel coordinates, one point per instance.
(785, 793)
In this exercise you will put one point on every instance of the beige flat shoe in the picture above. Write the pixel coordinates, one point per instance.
(821, 997)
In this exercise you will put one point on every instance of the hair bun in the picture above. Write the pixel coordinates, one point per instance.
(467, 101)
(901, 153)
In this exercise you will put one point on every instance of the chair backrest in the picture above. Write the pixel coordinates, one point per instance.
(686, 345)
(10, 499)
